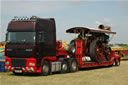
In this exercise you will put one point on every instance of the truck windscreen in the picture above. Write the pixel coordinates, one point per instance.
(21, 37)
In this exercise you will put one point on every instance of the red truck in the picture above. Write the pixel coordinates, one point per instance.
(32, 48)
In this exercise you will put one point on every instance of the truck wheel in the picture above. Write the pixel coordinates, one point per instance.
(118, 62)
(45, 68)
(64, 67)
(73, 66)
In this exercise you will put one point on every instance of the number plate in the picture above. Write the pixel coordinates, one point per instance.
(18, 71)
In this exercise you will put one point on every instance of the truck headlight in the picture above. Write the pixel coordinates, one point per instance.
(68, 56)
(6, 62)
(28, 49)
(31, 64)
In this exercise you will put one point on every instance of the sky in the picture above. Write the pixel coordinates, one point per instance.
(70, 13)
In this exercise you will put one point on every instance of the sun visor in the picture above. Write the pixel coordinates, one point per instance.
(21, 26)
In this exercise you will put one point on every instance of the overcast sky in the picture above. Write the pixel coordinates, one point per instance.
(70, 13)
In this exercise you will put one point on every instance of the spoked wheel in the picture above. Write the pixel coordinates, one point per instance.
(97, 50)
(64, 67)
(108, 53)
(45, 68)
(73, 65)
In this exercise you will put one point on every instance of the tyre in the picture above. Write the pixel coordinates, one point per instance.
(72, 42)
(108, 52)
(73, 65)
(118, 62)
(64, 67)
(114, 63)
(45, 68)
(72, 49)
(96, 50)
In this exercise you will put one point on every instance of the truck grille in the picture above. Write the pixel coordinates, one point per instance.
(18, 62)
(19, 52)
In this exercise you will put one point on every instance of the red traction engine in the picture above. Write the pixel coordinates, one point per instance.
(91, 44)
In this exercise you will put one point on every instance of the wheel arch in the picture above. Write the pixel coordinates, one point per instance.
(45, 60)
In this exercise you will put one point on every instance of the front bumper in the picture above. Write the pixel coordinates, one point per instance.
(26, 69)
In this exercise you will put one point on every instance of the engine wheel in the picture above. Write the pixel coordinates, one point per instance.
(96, 50)
(73, 65)
(45, 68)
(72, 49)
(64, 67)
(108, 55)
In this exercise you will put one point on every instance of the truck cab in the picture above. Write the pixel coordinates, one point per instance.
(29, 40)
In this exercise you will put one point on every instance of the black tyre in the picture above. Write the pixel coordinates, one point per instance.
(108, 52)
(97, 50)
(73, 65)
(118, 62)
(72, 42)
(114, 63)
(45, 68)
(64, 67)
(72, 49)
(92, 51)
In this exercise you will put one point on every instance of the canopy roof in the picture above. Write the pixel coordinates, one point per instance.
(88, 30)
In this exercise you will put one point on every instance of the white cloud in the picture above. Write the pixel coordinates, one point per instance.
(105, 21)
(98, 22)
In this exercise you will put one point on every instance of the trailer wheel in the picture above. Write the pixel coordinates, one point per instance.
(118, 62)
(45, 68)
(73, 65)
(114, 63)
(64, 67)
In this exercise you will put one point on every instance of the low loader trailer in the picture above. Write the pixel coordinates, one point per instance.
(32, 48)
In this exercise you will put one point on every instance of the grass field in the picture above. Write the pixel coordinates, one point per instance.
(125, 46)
(95, 76)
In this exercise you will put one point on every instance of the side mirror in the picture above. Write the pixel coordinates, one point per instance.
(6, 37)
(40, 37)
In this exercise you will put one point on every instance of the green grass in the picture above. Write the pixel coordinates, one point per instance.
(124, 46)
